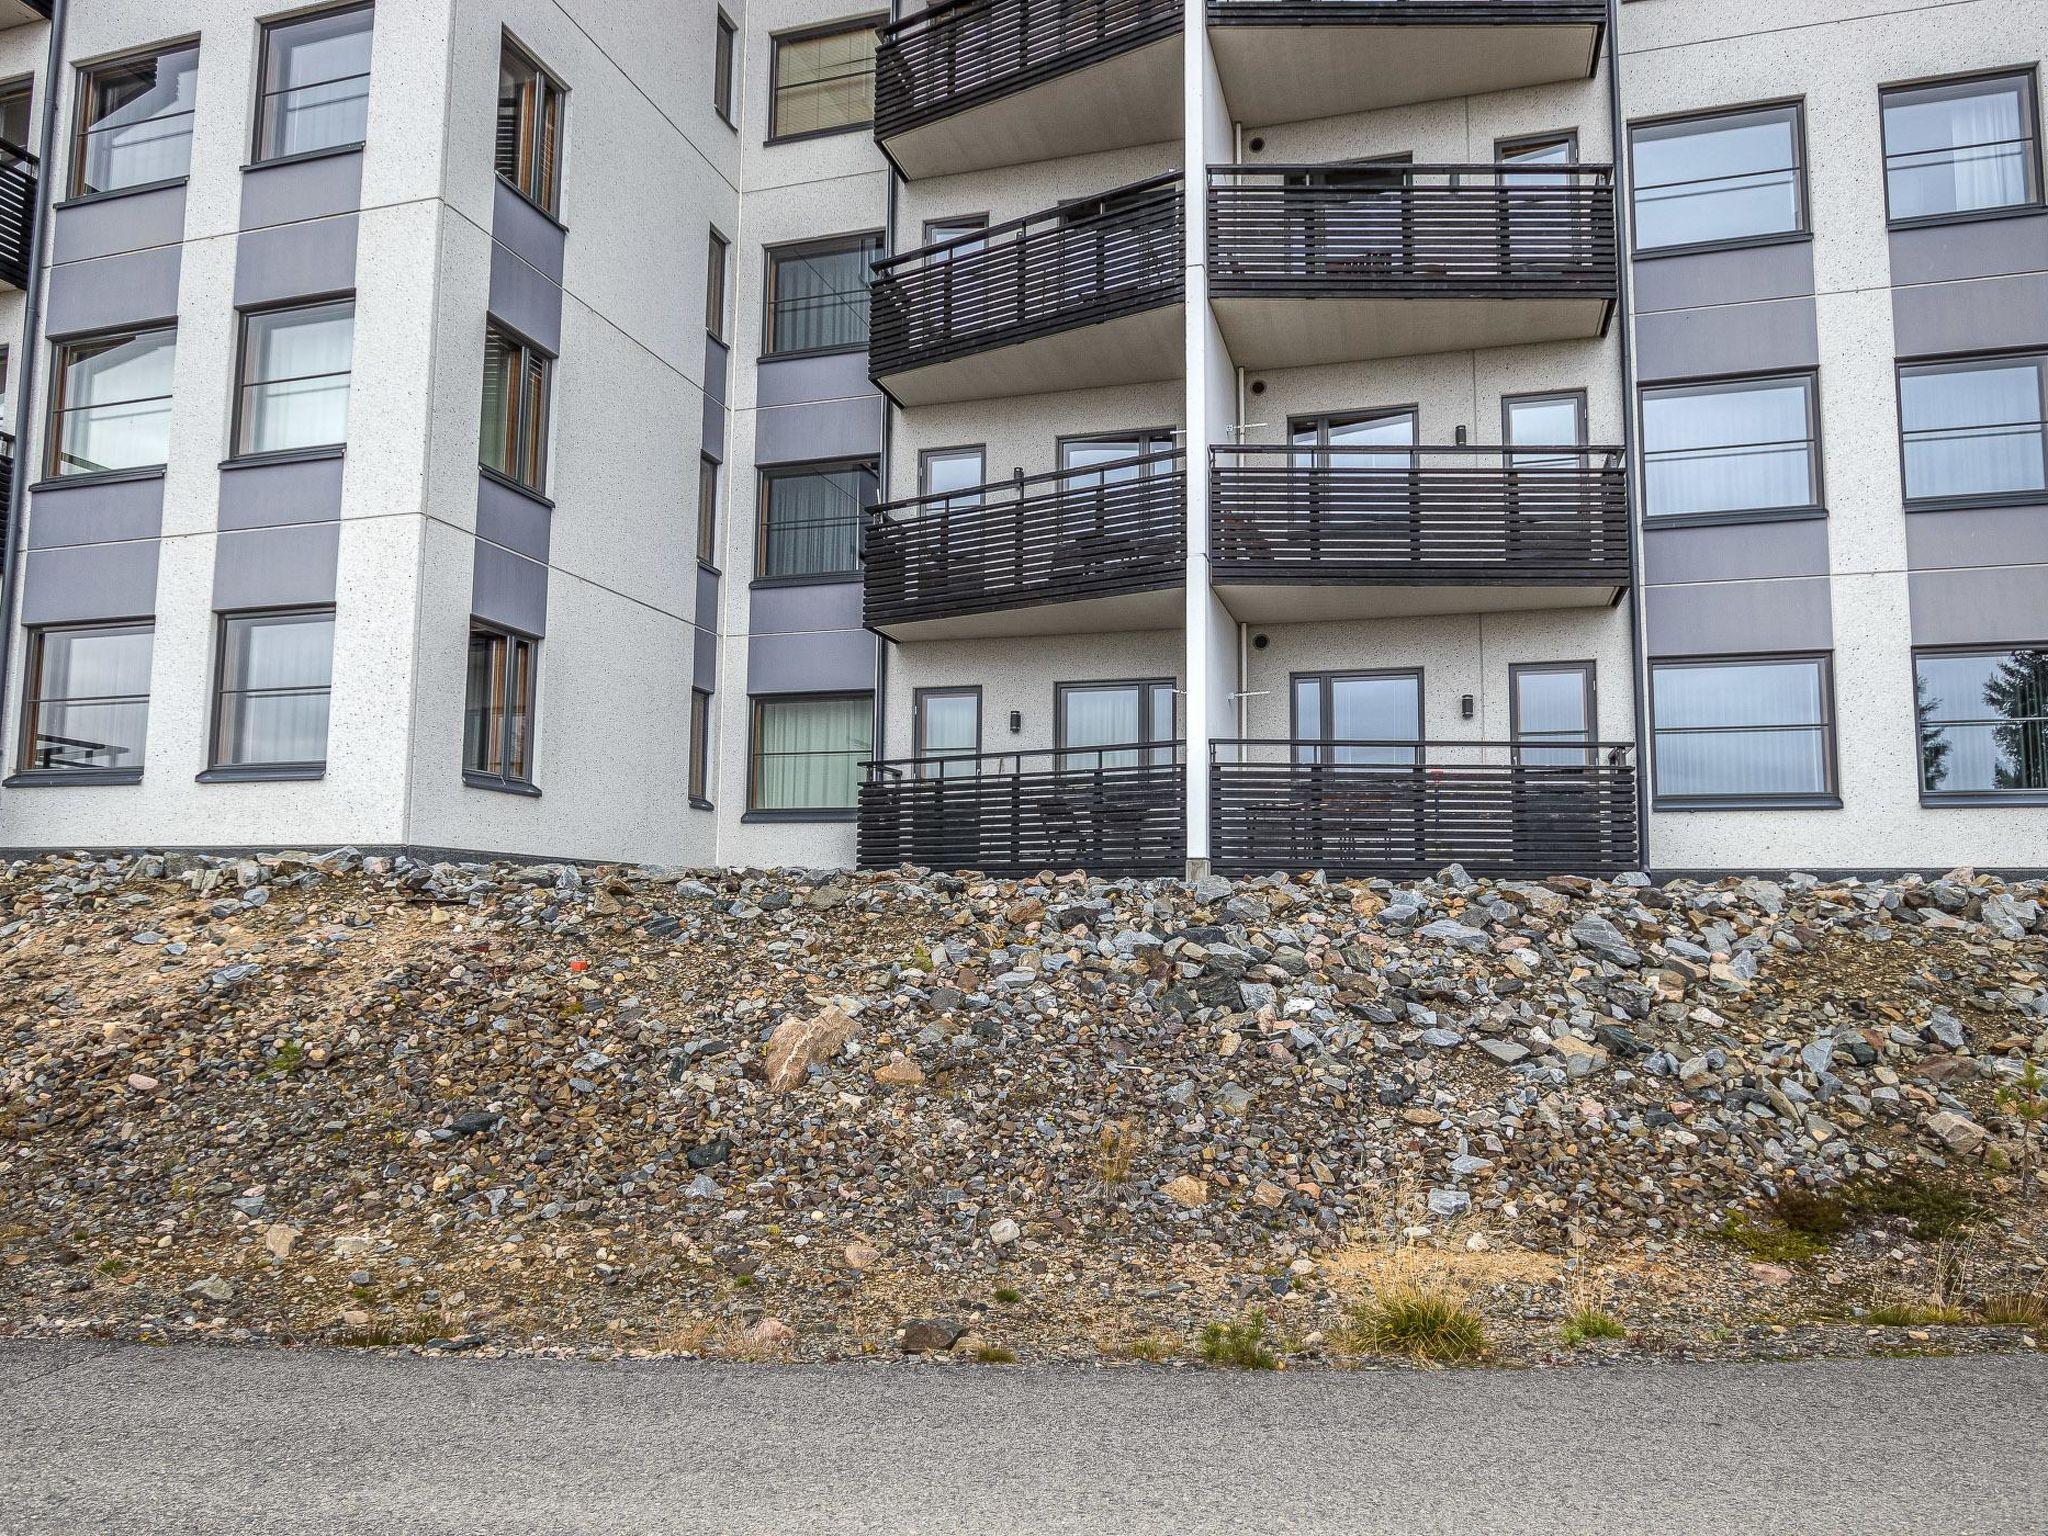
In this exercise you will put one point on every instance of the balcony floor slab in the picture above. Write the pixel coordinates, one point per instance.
(1308, 602)
(1162, 608)
(1140, 348)
(1290, 331)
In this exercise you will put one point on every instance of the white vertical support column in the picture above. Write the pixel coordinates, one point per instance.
(1210, 633)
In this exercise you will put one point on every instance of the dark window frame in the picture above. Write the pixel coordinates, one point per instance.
(55, 407)
(1060, 444)
(1801, 231)
(259, 120)
(1588, 671)
(25, 771)
(792, 250)
(87, 78)
(872, 22)
(23, 86)
(238, 422)
(765, 475)
(1513, 143)
(1963, 362)
(530, 447)
(925, 456)
(755, 812)
(506, 782)
(555, 94)
(218, 768)
(1581, 409)
(724, 67)
(709, 474)
(1940, 798)
(1149, 740)
(698, 769)
(2029, 77)
(1798, 800)
(717, 282)
(918, 699)
(1728, 382)
(1323, 678)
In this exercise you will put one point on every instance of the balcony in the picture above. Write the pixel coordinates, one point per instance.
(1109, 810)
(1076, 298)
(1334, 533)
(1322, 264)
(973, 84)
(1287, 60)
(1097, 550)
(1406, 809)
(18, 175)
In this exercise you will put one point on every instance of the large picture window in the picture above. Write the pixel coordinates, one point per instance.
(700, 748)
(807, 752)
(1960, 146)
(1983, 721)
(1358, 719)
(1141, 718)
(295, 377)
(1974, 428)
(529, 142)
(316, 84)
(811, 516)
(1743, 730)
(824, 82)
(1739, 446)
(1718, 180)
(497, 722)
(88, 700)
(517, 380)
(818, 295)
(276, 673)
(135, 121)
(111, 408)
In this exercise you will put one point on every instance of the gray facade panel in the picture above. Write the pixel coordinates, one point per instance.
(509, 589)
(1736, 552)
(797, 380)
(276, 567)
(832, 661)
(528, 233)
(505, 517)
(704, 662)
(1739, 618)
(1947, 253)
(793, 610)
(64, 515)
(1985, 314)
(829, 429)
(2007, 605)
(713, 435)
(1740, 338)
(717, 368)
(278, 492)
(1979, 536)
(107, 226)
(706, 615)
(301, 189)
(296, 261)
(140, 288)
(89, 582)
(1723, 277)
(525, 300)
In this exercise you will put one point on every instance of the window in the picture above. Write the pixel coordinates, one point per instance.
(808, 751)
(947, 722)
(529, 128)
(1748, 729)
(6, 422)
(275, 673)
(722, 67)
(1134, 716)
(295, 375)
(810, 518)
(1551, 714)
(88, 700)
(1532, 423)
(1974, 428)
(1358, 441)
(818, 295)
(700, 748)
(135, 122)
(17, 115)
(1741, 446)
(1960, 146)
(1358, 719)
(707, 510)
(497, 723)
(954, 473)
(824, 82)
(1983, 719)
(714, 287)
(111, 408)
(1712, 180)
(316, 84)
(515, 429)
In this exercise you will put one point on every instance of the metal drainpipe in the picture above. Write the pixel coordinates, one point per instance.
(31, 348)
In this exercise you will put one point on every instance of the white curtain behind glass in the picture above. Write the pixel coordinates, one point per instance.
(117, 406)
(1955, 149)
(811, 751)
(1740, 730)
(1973, 431)
(1726, 450)
(299, 376)
(278, 674)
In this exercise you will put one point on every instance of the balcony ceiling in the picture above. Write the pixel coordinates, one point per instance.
(1131, 349)
(1288, 332)
(1305, 602)
(1124, 613)
(1133, 98)
(1287, 74)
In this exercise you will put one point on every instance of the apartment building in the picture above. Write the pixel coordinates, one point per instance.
(1548, 435)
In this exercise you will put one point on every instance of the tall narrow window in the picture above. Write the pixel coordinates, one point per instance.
(948, 728)
(497, 727)
(276, 672)
(1358, 719)
(88, 700)
(807, 752)
(135, 121)
(1983, 720)
(1975, 428)
(824, 82)
(700, 747)
(1551, 712)
(722, 54)
(810, 518)
(111, 408)
(1714, 180)
(818, 295)
(316, 84)
(517, 378)
(714, 286)
(707, 510)
(1746, 445)
(1961, 146)
(529, 128)
(295, 377)
(1743, 729)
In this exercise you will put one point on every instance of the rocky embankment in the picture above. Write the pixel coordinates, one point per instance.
(363, 1101)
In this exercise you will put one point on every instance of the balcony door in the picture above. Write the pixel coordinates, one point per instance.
(967, 289)
(1100, 489)
(1548, 512)
(948, 557)
(1358, 719)
(947, 722)
(1354, 220)
(1551, 713)
(1538, 232)
(1358, 490)
(1136, 717)
(1099, 254)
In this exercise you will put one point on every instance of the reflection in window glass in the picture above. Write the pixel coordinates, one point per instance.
(112, 404)
(1975, 429)
(1983, 720)
(1713, 179)
(1552, 722)
(810, 519)
(528, 148)
(1741, 729)
(135, 126)
(1960, 147)
(316, 84)
(1739, 447)
(295, 377)
(88, 704)
(818, 295)
(497, 727)
(1374, 712)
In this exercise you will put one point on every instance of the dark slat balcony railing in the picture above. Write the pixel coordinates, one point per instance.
(1031, 277)
(1117, 810)
(6, 493)
(1099, 532)
(1406, 13)
(1410, 808)
(18, 175)
(969, 52)
(1419, 516)
(1412, 231)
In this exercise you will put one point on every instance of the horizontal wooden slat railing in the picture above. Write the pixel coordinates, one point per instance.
(19, 173)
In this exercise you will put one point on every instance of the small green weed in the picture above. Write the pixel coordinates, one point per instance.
(1009, 1296)
(1590, 1323)
(1771, 1245)
(995, 1354)
(1241, 1344)
(1420, 1323)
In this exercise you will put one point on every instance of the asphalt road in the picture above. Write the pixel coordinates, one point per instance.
(98, 1438)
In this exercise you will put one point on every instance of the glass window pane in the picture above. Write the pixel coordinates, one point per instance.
(948, 724)
(1728, 448)
(1974, 430)
(707, 511)
(700, 743)
(1374, 709)
(953, 469)
(115, 403)
(137, 126)
(824, 83)
(518, 82)
(1960, 147)
(482, 732)
(1723, 178)
(811, 521)
(297, 366)
(316, 84)
(16, 116)
(820, 297)
(1983, 721)
(276, 670)
(808, 752)
(1739, 730)
(91, 702)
